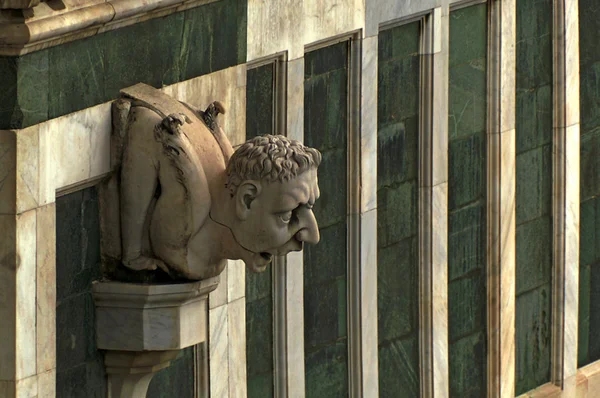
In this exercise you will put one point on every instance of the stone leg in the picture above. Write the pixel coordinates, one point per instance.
(130, 372)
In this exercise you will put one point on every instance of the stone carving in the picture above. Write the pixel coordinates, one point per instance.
(187, 202)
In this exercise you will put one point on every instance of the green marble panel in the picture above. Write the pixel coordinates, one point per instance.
(156, 47)
(24, 87)
(583, 327)
(466, 201)
(214, 37)
(325, 307)
(397, 210)
(261, 386)
(533, 338)
(534, 132)
(466, 236)
(398, 368)
(327, 371)
(468, 366)
(177, 380)
(66, 78)
(260, 91)
(259, 337)
(79, 365)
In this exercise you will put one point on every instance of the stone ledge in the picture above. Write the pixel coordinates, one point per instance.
(25, 31)
(137, 317)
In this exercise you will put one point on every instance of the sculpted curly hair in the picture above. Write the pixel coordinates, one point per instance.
(271, 158)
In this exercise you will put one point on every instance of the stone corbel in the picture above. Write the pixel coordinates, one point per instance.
(144, 327)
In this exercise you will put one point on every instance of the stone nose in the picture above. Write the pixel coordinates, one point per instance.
(309, 231)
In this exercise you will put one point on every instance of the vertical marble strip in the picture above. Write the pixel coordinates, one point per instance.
(433, 205)
(218, 351)
(501, 199)
(46, 288)
(368, 219)
(566, 191)
(354, 287)
(237, 348)
(294, 278)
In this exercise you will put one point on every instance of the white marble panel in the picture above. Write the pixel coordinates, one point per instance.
(237, 348)
(47, 384)
(8, 239)
(571, 49)
(439, 287)
(508, 64)
(46, 288)
(384, 11)
(8, 167)
(27, 388)
(295, 99)
(227, 86)
(439, 114)
(218, 297)
(572, 223)
(324, 19)
(368, 128)
(74, 148)
(218, 346)
(368, 299)
(295, 324)
(25, 323)
(236, 280)
(273, 27)
(27, 168)
(507, 266)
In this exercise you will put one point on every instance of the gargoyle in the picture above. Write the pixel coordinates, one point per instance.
(187, 202)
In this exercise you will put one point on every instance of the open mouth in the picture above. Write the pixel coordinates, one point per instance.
(266, 256)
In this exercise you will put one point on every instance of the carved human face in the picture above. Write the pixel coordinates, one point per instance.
(276, 218)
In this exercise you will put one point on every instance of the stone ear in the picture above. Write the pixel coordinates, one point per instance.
(244, 196)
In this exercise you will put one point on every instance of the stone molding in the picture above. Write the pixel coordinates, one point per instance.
(33, 29)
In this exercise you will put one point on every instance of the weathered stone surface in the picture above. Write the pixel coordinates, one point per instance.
(177, 380)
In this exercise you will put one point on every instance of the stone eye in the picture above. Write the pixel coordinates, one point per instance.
(286, 217)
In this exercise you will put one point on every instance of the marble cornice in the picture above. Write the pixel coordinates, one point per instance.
(29, 30)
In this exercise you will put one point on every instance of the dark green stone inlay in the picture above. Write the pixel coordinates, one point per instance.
(79, 365)
(397, 195)
(466, 201)
(589, 247)
(177, 380)
(534, 194)
(59, 80)
(260, 91)
(325, 307)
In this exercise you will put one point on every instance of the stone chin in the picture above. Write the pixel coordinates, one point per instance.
(258, 262)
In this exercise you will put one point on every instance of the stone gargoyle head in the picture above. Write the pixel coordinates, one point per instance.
(184, 201)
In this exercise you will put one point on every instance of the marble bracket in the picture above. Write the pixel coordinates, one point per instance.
(144, 327)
